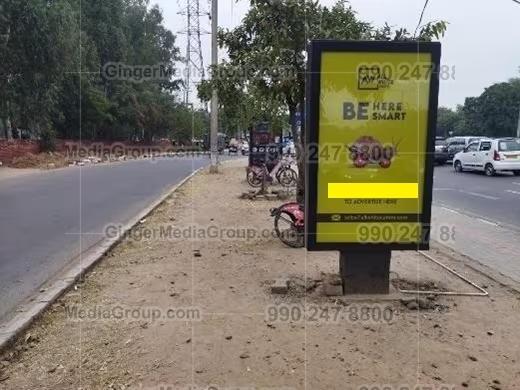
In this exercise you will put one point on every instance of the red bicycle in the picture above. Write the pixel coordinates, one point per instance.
(289, 224)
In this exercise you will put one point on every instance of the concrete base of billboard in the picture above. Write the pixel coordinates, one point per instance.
(365, 272)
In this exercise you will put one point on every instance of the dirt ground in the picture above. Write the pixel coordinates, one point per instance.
(6, 172)
(240, 335)
(48, 160)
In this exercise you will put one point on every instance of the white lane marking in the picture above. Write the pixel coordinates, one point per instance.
(450, 210)
(492, 223)
(444, 189)
(479, 195)
(513, 192)
(516, 183)
(488, 222)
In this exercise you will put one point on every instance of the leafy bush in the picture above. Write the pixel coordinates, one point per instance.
(48, 140)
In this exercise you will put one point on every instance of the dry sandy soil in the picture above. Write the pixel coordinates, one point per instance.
(245, 337)
(6, 173)
(41, 160)
(32, 163)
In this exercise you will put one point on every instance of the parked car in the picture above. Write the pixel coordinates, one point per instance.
(233, 146)
(490, 156)
(441, 151)
(244, 148)
(458, 144)
(289, 148)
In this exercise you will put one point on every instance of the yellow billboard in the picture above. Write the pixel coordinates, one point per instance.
(370, 136)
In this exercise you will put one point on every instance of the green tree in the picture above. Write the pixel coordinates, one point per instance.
(38, 46)
(493, 114)
(240, 108)
(473, 118)
(447, 121)
(498, 107)
(185, 124)
(268, 49)
(40, 84)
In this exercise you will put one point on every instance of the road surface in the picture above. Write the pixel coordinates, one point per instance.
(485, 215)
(41, 214)
(496, 198)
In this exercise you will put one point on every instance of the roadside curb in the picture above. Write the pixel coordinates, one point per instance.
(478, 267)
(10, 330)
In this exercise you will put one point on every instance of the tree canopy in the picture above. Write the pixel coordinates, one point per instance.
(267, 52)
(44, 45)
(493, 114)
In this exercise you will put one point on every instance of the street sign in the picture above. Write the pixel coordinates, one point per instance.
(262, 146)
(372, 109)
(298, 118)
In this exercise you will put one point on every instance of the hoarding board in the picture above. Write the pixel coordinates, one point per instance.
(370, 138)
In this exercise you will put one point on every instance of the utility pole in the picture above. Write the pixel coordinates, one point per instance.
(214, 96)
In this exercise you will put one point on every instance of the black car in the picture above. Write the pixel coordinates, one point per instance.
(233, 149)
(441, 152)
(458, 144)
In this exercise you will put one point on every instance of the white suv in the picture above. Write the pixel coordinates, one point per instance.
(490, 156)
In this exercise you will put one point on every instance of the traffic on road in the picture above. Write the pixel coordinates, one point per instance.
(259, 195)
(495, 199)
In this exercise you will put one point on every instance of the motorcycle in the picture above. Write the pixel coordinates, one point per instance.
(289, 224)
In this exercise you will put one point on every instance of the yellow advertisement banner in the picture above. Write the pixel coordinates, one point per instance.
(372, 146)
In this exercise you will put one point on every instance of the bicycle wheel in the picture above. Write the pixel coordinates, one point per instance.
(287, 177)
(254, 179)
(286, 231)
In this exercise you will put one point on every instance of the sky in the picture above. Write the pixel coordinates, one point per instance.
(480, 45)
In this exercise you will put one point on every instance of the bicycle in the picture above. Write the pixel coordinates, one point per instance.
(283, 172)
(289, 224)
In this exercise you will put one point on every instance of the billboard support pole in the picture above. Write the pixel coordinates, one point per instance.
(365, 272)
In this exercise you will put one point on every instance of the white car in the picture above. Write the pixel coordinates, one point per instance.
(289, 149)
(244, 148)
(490, 156)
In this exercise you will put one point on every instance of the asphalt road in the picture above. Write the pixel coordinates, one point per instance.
(41, 215)
(484, 215)
(494, 199)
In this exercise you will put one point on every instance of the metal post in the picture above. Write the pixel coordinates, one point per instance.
(187, 81)
(518, 128)
(365, 272)
(214, 96)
